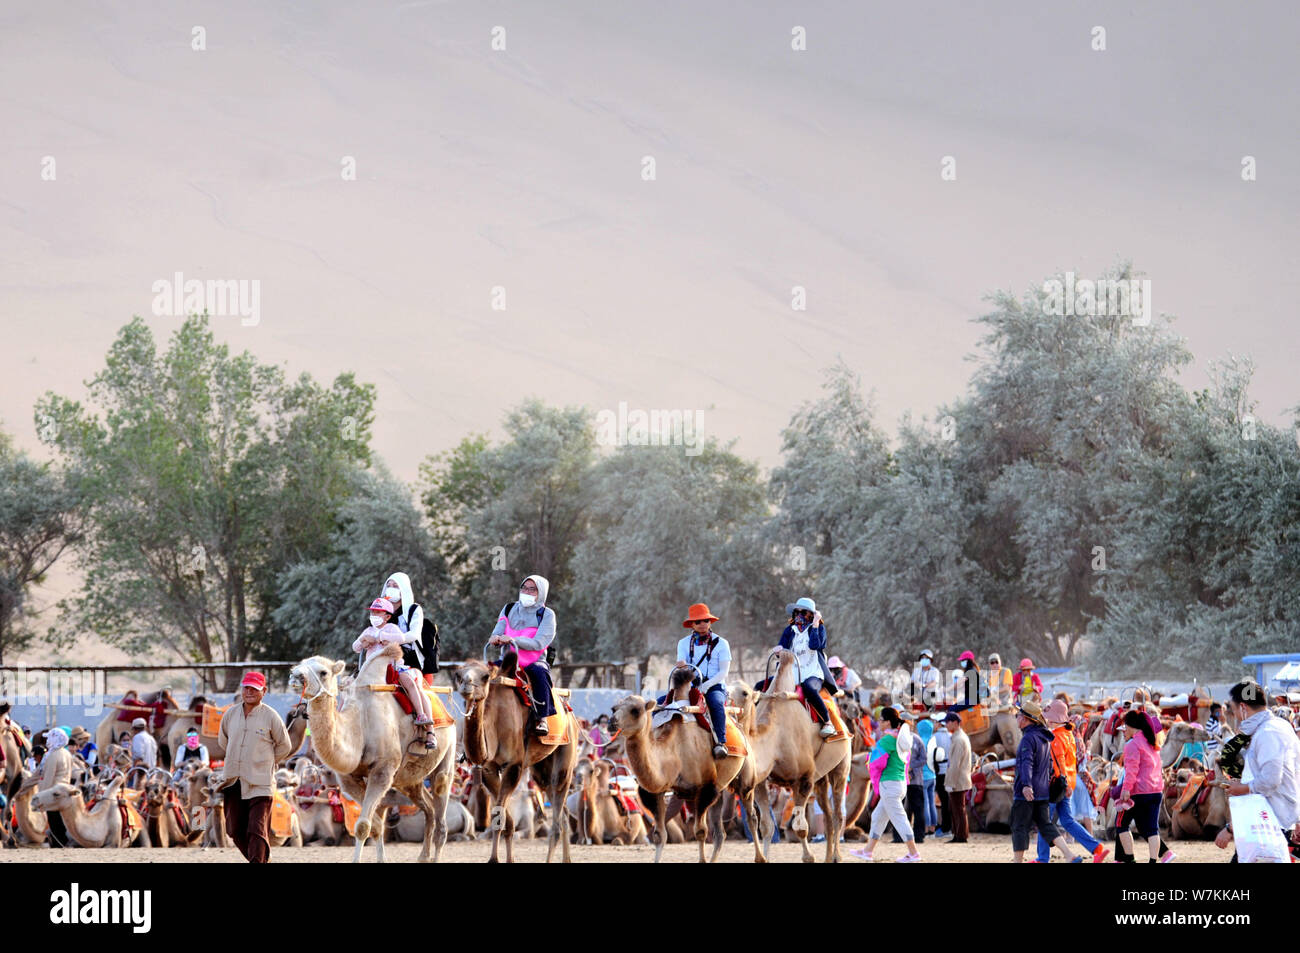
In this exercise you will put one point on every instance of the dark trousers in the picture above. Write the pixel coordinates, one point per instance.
(960, 823)
(248, 822)
(58, 836)
(539, 678)
(717, 700)
(1027, 814)
(812, 691)
(945, 812)
(916, 807)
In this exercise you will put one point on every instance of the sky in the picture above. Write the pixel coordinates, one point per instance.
(522, 169)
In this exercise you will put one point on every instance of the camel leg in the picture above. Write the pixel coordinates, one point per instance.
(505, 820)
(756, 811)
(439, 798)
(703, 807)
(717, 825)
(800, 794)
(658, 804)
(497, 812)
(376, 786)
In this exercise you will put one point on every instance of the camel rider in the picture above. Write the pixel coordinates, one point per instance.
(846, 680)
(56, 768)
(999, 680)
(1026, 683)
(383, 632)
(419, 651)
(193, 750)
(924, 687)
(710, 655)
(529, 626)
(84, 745)
(969, 687)
(805, 638)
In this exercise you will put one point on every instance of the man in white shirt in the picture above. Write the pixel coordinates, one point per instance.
(144, 747)
(710, 656)
(926, 688)
(1272, 757)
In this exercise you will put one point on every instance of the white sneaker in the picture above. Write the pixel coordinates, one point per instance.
(909, 859)
(827, 730)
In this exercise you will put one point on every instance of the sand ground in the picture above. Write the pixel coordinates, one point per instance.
(983, 848)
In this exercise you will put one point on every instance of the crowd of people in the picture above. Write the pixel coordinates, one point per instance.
(920, 764)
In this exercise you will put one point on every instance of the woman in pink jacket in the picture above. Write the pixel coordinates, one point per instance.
(1139, 798)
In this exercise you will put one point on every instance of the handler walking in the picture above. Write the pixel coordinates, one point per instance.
(255, 738)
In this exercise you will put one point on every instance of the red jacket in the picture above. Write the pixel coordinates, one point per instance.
(1034, 680)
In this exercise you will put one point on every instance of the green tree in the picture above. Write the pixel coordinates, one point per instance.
(206, 475)
(39, 519)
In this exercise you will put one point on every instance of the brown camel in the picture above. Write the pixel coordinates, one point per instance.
(602, 816)
(296, 724)
(497, 740)
(994, 809)
(367, 742)
(858, 797)
(165, 819)
(318, 798)
(31, 824)
(676, 757)
(1180, 733)
(1001, 737)
(788, 750)
(15, 748)
(1197, 819)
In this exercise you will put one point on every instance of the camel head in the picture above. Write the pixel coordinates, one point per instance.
(471, 680)
(786, 669)
(56, 797)
(632, 714)
(316, 676)
(679, 684)
(156, 786)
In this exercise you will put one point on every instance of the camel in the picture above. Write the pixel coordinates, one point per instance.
(177, 718)
(31, 824)
(367, 744)
(601, 817)
(160, 810)
(181, 721)
(207, 806)
(1001, 737)
(788, 750)
(408, 828)
(1180, 733)
(677, 757)
(318, 797)
(296, 724)
(497, 740)
(15, 748)
(858, 798)
(100, 826)
(994, 808)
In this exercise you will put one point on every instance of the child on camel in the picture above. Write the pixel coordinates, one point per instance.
(383, 632)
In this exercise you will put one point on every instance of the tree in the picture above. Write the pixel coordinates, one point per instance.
(322, 602)
(501, 513)
(39, 519)
(205, 477)
(667, 530)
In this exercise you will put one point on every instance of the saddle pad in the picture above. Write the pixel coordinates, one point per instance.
(211, 726)
(281, 816)
(351, 814)
(736, 743)
(974, 720)
(557, 725)
(1190, 790)
(336, 807)
(406, 810)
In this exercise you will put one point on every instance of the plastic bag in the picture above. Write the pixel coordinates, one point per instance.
(1257, 833)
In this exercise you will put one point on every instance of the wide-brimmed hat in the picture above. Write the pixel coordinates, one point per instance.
(804, 603)
(835, 662)
(79, 732)
(1032, 711)
(698, 613)
(1057, 713)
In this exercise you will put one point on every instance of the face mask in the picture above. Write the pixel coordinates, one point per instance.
(377, 621)
(393, 594)
(925, 663)
(527, 601)
(192, 743)
(965, 666)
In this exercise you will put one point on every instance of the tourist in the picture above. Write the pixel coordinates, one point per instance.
(56, 768)
(1081, 804)
(939, 746)
(1139, 798)
(1030, 806)
(254, 739)
(846, 680)
(888, 770)
(529, 625)
(1026, 686)
(381, 633)
(999, 681)
(969, 687)
(957, 779)
(1064, 750)
(929, 777)
(709, 655)
(1272, 758)
(144, 749)
(85, 746)
(925, 687)
(805, 638)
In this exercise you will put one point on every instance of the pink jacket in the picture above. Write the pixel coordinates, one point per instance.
(1142, 773)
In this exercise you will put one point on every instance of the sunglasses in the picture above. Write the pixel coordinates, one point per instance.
(700, 622)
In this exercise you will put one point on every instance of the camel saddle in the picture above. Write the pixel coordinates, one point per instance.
(979, 784)
(336, 806)
(438, 710)
(837, 720)
(974, 719)
(1195, 790)
(699, 707)
(132, 822)
(281, 815)
(210, 726)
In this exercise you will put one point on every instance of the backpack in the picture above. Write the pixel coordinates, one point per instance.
(424, 653)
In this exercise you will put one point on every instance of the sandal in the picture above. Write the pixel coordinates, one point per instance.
(430, 739)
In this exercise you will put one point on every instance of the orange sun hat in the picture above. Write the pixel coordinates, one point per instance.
(698, 613)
